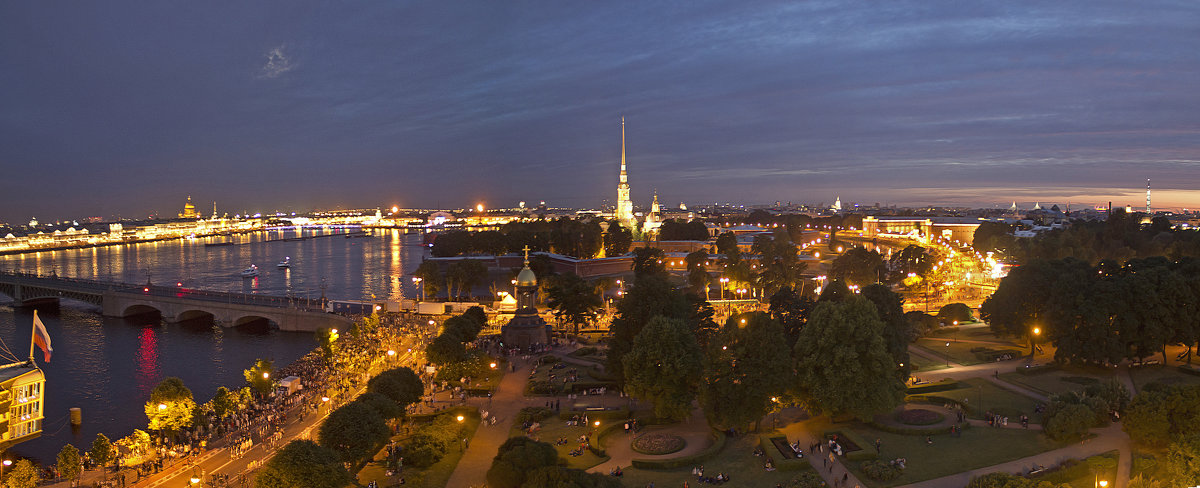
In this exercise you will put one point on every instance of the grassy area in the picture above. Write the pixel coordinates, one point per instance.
(986, 396)
(736, 460)
(558, 374)
(434, 476)
(960, 352)
(1168, 375)
(1062, 380)
(976, 448)
(923, 364)
(553, 428)
(1081, 475)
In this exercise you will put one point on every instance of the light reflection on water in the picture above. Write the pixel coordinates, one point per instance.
(108, 366)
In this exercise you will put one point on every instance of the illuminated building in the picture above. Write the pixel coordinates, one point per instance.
(189, 210)
(526, 327)
(624, 211)
(21, 393)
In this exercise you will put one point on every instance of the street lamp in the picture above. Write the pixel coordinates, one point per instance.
(947, 354)
(5, 464)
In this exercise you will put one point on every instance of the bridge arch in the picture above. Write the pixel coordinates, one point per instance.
(255, 322)
(195, 315)
(140, 309)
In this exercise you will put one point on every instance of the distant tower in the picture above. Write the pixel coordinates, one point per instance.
(1148, 209)
(214, 211)
(1037, 205)
(837, 204)
(654, 218)
(1013, 208)
(624, 211)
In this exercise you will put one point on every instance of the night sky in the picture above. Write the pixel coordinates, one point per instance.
(115, 108)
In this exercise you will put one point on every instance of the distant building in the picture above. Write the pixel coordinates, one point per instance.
(189, 210)
(960, 229)
(21, 394)
(624, 212)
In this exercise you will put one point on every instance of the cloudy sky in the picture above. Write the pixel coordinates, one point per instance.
(113, 108)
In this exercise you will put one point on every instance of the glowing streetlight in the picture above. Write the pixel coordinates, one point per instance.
(460, 418)
(162, 406)
(493, 365)
(391, 352)
(266, 375)
(596, 424)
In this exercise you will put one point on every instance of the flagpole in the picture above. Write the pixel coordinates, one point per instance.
(32, 332)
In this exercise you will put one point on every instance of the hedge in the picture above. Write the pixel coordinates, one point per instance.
(593, 415)
(766, 443)
(718, 438)
(941, 385)
(579, 386)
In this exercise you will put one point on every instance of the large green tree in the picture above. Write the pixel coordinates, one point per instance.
(261, 376)
(791, 310)
(650, 296)
(445, 349)
(664, 367)
(898, 332)
(858, 266)
(842, 361)
(303, 464)
(1183, 461)
(1159, 413)
(697, 272)
(617, 240)
(69, 463)
(573, 299)
(353, 432)
(402, 385)
(779, 263)
(23, 475)
(516, 458)
(103, 453)
(648, 261)
(431, 279)
(744, 367)
(171, 406)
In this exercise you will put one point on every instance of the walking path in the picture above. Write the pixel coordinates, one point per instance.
(694, 430)
(506, 402)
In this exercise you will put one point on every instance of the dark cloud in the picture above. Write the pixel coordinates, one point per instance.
(124, 108)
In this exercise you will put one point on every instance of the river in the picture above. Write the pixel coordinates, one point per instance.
(108, 367)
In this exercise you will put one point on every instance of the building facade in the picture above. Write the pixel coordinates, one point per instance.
(22, 390)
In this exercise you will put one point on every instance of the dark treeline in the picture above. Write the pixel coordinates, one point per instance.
(1120, 238)
(570, 237)
(1101, 313)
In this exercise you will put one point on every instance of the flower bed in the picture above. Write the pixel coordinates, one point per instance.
(658, 444)
(919, 416)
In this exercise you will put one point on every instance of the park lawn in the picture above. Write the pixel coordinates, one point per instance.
(977, 448)
(1060, 381)
(434, 476)
(736, 460)
(543, 373)
(923, 364)
(960, 352)
(995, 399)
(1167, 375)
(552, 428)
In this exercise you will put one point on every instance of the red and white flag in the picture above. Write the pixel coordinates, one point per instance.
(41, 337)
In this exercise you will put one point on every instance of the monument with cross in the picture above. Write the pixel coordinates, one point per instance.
(526, 327)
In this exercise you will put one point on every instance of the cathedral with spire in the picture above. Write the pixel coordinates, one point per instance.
(624, 212)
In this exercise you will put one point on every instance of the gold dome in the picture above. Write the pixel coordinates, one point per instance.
(526, 277)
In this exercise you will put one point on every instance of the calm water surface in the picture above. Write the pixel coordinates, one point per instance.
(108, 366)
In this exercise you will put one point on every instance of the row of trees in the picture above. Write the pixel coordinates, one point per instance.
(1104, 313)
(450, 345)
(1121, 237)
(459, 279)
(571, 237)
(352, 433)
(844, 353)
(779, 264)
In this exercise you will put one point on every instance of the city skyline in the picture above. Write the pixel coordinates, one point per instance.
(125, 109)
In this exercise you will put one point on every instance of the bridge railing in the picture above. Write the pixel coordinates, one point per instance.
(99, 287)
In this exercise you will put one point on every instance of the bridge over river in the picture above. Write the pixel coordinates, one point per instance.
(174, 303)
